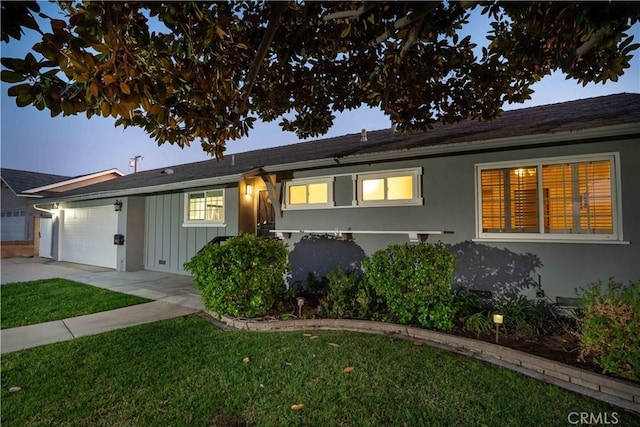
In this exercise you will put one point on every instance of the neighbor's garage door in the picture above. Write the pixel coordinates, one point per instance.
(87, 236)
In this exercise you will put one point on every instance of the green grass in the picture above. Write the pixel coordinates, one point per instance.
(185, 372)
(27, 303)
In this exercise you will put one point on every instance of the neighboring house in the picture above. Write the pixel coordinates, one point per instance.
(20, 189)
(544, 197)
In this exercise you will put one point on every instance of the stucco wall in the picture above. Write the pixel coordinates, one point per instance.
(448, 184)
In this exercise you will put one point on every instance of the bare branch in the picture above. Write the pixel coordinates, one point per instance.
(263, 48)
(589, 44)
(415, 17)
(346, 14)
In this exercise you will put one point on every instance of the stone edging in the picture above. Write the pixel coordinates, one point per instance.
(616, 392)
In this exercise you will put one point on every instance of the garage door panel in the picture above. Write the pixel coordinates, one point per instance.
(87, 236)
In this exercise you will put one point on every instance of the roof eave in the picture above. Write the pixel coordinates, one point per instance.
(73, 181)
(180, 185)
(629, 129)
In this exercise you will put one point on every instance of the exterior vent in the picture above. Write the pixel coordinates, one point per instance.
(363, 135)
(167, 171)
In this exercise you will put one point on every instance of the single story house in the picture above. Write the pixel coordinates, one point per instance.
(21, 188)
(544, 199)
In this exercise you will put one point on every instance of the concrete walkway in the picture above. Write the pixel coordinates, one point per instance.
(173, 296)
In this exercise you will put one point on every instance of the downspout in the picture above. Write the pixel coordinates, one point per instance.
(49, 211)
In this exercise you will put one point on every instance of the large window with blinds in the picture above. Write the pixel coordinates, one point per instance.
(565, 198)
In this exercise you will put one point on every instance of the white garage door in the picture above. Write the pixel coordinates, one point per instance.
(87, 236)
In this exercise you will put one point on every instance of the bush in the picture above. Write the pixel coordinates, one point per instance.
(610, 328)
(242, 277)
(414, 281)
(466, 303)
(479, 322)
(521, 313)
(349, 297)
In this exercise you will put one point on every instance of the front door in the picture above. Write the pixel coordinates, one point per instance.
(266, 215)
(46, 226)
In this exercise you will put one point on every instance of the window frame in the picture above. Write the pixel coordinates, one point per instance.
(203, 222)
(616, 205)
(328, 180)
(415, 173)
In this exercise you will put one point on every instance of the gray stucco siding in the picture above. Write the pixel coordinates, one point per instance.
(168, 243)
(449, 192)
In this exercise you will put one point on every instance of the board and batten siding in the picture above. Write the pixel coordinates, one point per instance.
(168, 244)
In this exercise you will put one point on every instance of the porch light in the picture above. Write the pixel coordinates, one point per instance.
(497, 319)
(248, 191)
(117, 206)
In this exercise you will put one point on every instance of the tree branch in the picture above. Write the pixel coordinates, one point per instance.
(348, 13)
(588, 45)
(263, 48)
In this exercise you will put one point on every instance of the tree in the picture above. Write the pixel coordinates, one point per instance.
(187, 71)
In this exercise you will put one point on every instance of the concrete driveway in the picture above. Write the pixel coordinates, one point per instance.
(169, 288)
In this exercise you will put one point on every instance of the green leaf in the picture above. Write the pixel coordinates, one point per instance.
(12, 77)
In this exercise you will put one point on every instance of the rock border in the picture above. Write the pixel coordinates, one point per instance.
(620, 393)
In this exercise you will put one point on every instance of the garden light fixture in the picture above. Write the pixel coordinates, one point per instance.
(300, 301)
(497, 319)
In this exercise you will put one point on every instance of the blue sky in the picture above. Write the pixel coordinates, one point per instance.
(73, 145)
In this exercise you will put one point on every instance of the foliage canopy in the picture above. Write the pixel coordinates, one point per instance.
(205, 71)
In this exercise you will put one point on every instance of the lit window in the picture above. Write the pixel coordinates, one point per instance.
(309, 193)
(389, 188)
(570, 198)
(204, 207)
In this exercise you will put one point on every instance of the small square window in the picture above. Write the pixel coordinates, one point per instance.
(204, 208)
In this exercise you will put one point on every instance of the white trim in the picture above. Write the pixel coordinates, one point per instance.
(203, 223)
(553, 240)
(74, 180)
(329, 180)
(541, 236)
(138, 191)
(414, 236)
(415, 173)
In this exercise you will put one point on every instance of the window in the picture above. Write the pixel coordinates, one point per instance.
(389, 188)
(309, 193)
(566, 198)
(204, 208)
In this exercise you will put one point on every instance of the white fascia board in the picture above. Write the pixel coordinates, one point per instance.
(182, 185)
(459, 147)
(74, 180)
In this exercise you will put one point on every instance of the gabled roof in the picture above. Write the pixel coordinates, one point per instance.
(31, 184)
(77, 181)
(19, 181)
(562, 118)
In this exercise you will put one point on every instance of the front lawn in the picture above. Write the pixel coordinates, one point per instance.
(186, 372)
(27, 303)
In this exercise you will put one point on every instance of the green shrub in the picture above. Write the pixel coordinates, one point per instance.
(521, 313)
(610, 328)
(466, 303)
(479, 322)
(414, 281)
(349, 297)
(242, 277)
